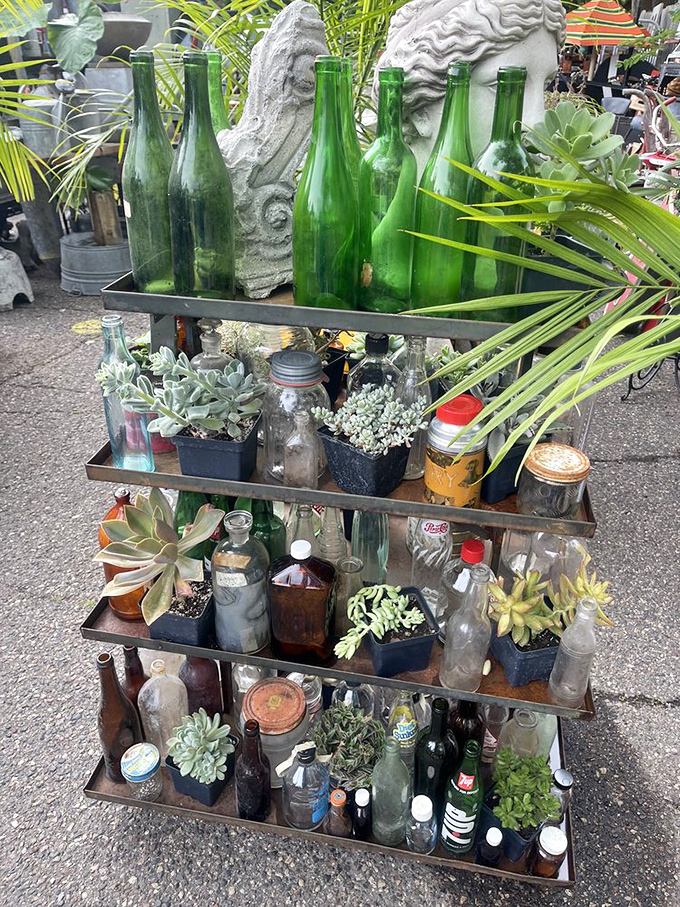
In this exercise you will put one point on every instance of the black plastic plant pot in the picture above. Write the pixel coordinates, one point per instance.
(515, 845)
(522, 666)
(500, 483)
(207, 794)
(334, 371)
(189, 631)
(390, 658)
(357, 472)
(213, 458)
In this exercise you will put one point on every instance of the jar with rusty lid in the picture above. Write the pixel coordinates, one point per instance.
(551, 849)
(553, 481)
(279, 707)
(449, 480)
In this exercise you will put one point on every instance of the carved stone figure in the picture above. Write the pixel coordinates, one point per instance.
(269, 144)
(426, 35)
(13, 280)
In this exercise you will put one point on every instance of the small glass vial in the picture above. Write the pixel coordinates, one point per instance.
(375, 369)
(491, 848)
(338, 822)
(301, 454)
(571, 672)
(521, 733)
(562, 787)
(305, 790)
(212, 356)
(140, 766)
(551, 849)
(361, 818)
(421, 828)
(553, 481)
(357, 695)
(349, 581)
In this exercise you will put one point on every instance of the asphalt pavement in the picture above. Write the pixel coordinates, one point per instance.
(60, 849)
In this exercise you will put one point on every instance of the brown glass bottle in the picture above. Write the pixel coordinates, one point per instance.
(135, 678)
(337, 821)
(252, 776)
(118, 721)
(202, 679)
(466, 723)
(301, 600)
(128, 606)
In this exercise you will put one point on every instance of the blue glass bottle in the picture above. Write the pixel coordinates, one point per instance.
(128, 431)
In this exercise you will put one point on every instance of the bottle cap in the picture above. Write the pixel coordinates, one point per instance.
(362, 797)
(338, 797)
(563, 779)
(157, 667)
(472, 551)
(300, 549)
(307, 755)
(421, 808)
(558, 463)
(553, 841)
(140, 762)
(460, 410)
(296, 368)
(277, 704)
(122, 495)
(494, 837)
(377, 343)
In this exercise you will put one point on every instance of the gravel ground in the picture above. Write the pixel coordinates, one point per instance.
(61, 849)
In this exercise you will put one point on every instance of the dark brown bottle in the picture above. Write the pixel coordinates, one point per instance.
(465, 723)
(118, 721)
(301, 600)
(337, 821)
(202, 679)
(252, 776)
(135, 678)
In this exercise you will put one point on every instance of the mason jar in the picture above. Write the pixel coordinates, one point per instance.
(279, 707)
(140, 765)
(553, 481)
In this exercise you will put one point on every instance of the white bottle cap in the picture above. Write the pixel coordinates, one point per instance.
(494, 836)
(421, 808)
(362, 797)
(301, 550)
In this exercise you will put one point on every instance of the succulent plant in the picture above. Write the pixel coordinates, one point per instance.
(146, 544)
(522, 785)
(373, 421)
(378, 609)
(200, 747)
(354, 741)
(569, 594)
(522, 611)
(357, 346)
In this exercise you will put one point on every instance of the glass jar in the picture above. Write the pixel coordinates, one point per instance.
(551, 849)
(257, 343)
(294, 386)
(243, 677)
(140, 766)
(349, 581)
(553, 481)
(521, 733)
(313, 690)
(279, 707)
(449, 480)
(358, 696)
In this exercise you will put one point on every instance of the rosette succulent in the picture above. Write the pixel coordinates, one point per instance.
(200, 747)
(570, 592)
(522, 611)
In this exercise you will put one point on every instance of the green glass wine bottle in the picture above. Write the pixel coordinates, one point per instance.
(201, 201)
(349, 129)
(437, 269)
(218, 111)
(146, 170)
(485, 276)
(325, 213)
(387, 195)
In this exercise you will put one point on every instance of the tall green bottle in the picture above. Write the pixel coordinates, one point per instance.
(349, 128)
(387, 196)
(201, 202)
(484, 276)
(218, 111)
(326, 213)
(463, 808)
(437, 269)
(145, 175)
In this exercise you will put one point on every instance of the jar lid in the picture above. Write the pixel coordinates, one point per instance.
(553, 841)
(558, 463)
(296, 368)
(494, 836)
(361, 797)
(563, 778)
(421, 808)
(472, 551)
(277, 704)
(338, 797)
(460, 411)
(140, 762)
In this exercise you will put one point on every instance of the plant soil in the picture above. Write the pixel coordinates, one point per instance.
(545, 640)
(403, 633)
(193, 607)
(221, 435)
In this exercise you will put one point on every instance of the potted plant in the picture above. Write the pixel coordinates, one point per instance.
(398, 626)
(153, 555)
(519, 800)
(201, 757)
(211, 416)
(367, 441)
(354, 741)
(569, 593)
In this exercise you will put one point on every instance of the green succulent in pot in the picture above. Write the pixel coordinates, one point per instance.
(569, 593)
(200, 747)
(522, 611)
(522, 791)
(354, 741)
(377, 609)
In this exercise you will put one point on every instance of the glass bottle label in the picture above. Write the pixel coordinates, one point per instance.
(320, 807)
(435, 527)
(456, 483)
(405, 729)
(229, 559)
(465, 782)
(230, 579)
(458, 827)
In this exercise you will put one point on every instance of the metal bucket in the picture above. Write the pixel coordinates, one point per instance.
(87, 267)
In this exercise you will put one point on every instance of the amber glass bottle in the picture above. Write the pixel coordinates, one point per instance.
(135, 678)
(252, 776)
(466, 723)
(118, 721)
(128, 606)
(202, 679)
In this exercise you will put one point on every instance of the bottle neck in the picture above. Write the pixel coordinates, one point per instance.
(415, 358)
(133, 663)
(197, 122)
(438, 725)
(507, 118)
(467, 710)
(252, 748)
(327, 123)
(453, 139)
(389, 110)
(110, 688)
(114, 341)
(147, 114)
(469, 765)
(238, 537)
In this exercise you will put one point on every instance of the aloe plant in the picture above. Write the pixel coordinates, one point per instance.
(146, 544)
(569, 593)
(522, 611)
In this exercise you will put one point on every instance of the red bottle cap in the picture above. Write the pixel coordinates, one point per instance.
(472, 551)
(460, 410)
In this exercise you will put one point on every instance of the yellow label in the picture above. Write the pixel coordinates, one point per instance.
(229, 559)
(274, 702)
(454, 484)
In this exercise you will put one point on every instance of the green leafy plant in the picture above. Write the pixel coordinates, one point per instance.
(140, 350)
(522, 786)
(146, 544)
(373, 421)
(354, 741)
(200, 747)
(378, 609)
(569, 593)
(73, 37)
(522, 612)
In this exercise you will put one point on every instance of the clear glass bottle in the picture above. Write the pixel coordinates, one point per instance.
(570, 674)
(295, 386)
(376, 369)
(338, 822)
(257, 343)
(421, 828)
(212, 356)
(412, 385)
(431, 553)
(332, 541)
(301, 454)
(300, 526)
(456, 577)
(305, 790)
(239, 571)
(495, 719)
(128, 431)
(313, 689)
(162, 703)
(349, 581)
(371, 544)
(521, 733)
(403, 727)
(357, 695)
(468, 633)
(391, 795)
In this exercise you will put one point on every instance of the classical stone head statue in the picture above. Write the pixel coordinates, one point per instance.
(426, 35)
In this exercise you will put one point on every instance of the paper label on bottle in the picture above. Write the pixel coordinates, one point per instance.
(126, 208)
(489, 746)
(230, 579)
(230, 559)
(458, 483)
(434, 527)
(320, 806)
(465, 782)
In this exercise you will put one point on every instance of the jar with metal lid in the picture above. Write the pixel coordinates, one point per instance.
(551, 848)
(313, 690)
(243, 677)
(562, 786)
(257, 343)
(553, 481)
(279, 707)
(140, 766)
(295, 386)
(451, 481)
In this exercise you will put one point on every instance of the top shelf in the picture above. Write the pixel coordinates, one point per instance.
(121, 296)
